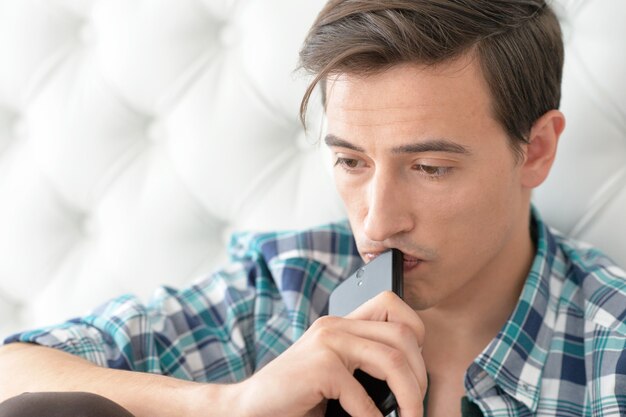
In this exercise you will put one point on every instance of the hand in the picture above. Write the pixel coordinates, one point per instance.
(383, 337)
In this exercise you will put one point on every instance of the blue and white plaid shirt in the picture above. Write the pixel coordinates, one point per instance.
(561, 353)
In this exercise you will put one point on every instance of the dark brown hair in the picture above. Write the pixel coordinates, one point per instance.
(518, 44)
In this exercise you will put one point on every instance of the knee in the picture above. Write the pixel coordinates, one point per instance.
(61, 404)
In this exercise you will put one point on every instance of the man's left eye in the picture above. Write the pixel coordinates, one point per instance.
(432, 171)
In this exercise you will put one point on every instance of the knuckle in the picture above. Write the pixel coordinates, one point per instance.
(404, 332)
(369, 407)
(415, 326)
(331, 389)
(388, 296)
(327, 361)
(324, 322)
(409, 339)
(322, 335)
(396, 359)
(421, 329)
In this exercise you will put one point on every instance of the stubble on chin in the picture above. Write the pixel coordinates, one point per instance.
(416, 299)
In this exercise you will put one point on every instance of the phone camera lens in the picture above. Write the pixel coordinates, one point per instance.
(360, 273)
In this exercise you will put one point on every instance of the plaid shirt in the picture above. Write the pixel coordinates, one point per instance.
(561, 353)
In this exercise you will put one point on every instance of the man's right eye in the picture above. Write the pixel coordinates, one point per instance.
(348, 164)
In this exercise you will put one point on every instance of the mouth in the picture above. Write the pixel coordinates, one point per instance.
(409, 262)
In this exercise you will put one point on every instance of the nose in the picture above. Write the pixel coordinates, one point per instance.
(388, 208)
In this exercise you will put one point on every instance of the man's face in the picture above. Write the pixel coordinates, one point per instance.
(423, 166)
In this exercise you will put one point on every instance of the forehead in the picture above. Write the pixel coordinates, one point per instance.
(410, 96)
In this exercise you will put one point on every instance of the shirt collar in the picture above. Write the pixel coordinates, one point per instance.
(515, 358)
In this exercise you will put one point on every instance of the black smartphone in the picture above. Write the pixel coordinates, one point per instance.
(383, 273)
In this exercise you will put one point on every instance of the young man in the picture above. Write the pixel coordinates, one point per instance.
(442, 117)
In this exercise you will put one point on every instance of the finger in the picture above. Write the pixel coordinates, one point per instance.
(383, 362)
(387, 306)
(396, 335)
(352, 396)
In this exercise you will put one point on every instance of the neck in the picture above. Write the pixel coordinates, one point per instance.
(463, 324)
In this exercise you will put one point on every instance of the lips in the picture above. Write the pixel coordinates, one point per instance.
(409, 258)
(410, 262)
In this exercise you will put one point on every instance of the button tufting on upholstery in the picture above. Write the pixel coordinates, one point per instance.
(156, 131)
(240, 159)
(228, 35)
(87, 34)
(87, 225)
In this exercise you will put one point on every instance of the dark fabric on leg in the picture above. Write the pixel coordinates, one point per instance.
(469, 409)
(61, 404)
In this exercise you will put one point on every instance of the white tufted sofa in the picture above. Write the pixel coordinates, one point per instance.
(136, 135)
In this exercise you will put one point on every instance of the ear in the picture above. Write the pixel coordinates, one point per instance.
(541, 148)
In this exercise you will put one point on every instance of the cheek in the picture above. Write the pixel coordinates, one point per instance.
(482, 211)
(353, 197)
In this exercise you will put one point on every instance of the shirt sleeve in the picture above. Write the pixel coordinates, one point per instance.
(201, 333)
(221, 328)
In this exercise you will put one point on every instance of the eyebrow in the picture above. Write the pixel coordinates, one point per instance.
(430, 145)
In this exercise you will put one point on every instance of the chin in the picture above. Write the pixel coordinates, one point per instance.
(418, 300)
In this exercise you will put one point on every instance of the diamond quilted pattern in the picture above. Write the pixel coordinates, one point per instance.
(135, 136)
(584, 192)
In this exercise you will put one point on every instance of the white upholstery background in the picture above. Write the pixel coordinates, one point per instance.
(136, 135)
